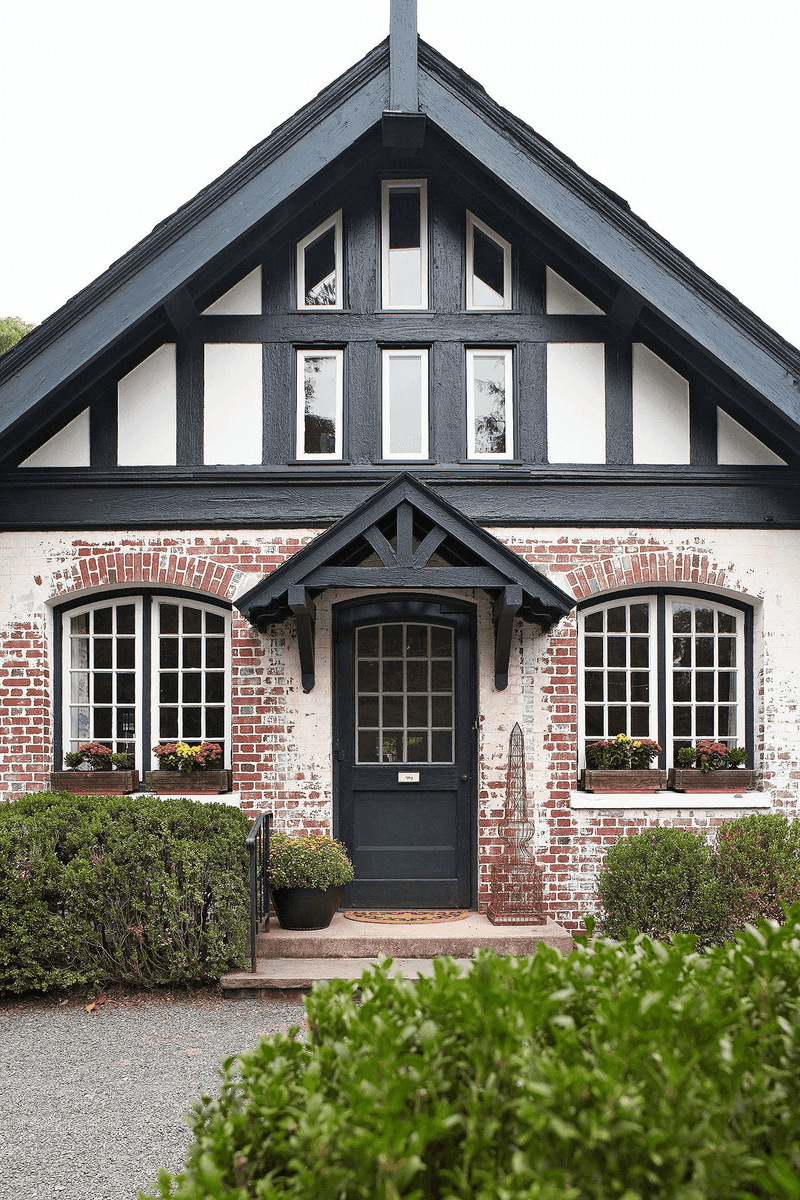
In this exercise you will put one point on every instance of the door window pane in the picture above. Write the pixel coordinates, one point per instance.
(413, 711)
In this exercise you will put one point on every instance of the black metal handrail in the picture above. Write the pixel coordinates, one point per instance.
(258, 851)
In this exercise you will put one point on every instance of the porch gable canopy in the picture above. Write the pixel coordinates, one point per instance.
(405, 536)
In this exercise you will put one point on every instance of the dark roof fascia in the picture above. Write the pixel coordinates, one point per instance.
(603, 226)
(216, 218)
(405, 487)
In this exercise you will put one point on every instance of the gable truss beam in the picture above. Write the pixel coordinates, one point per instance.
(302, 606)
(625, 312)
(180, 309)
(506, 607)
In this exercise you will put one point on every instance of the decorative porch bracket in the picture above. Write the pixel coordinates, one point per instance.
(302, 606)
(506, 607)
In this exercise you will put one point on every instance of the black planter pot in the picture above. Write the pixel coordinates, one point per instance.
(306, 908)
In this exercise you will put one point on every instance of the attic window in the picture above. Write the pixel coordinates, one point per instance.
(404, 238)
(320, 402)
(319, 270)
(488, 267)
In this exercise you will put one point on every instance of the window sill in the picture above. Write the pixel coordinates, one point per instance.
(232, 799)
(669, 799)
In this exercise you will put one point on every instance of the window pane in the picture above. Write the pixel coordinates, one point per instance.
(682, 722)
(417, 710)
(594, 622)
(404, 218)
(367, 642)
(168, 620)
(168, 652)
(417, 746)
(320, 383)
(192, 620)
(126, 654)
(126, 689)
(727, 651)
(79, 652)
(168, 724)
(640, 618)
(367, 747)
(392, 641)
(617, 687)
(593, 652)
(704, 721)
(320, 269)
(404, 409)
(168, 687)
(441, 710)
(640, 686)
(726, 685)
(616, 619)
(704, 686)
(489, 403)
(726, 718)
(640, 652)
(102, 654)
(593, 724)
(215, 724)
(392, 746)
(215, 623)
(192, 689)
(441, 642)
(681, 685)
(192, 652)
(704, 651)
(441, 676)
(393, 710)
(215, 653)
(79, 624)
(393, 677)
(682, 652)
(441, 746)
(593, 685)
(617, 721)
(488, 264)
(617, 652)
(417, 641)
(726, 622)
(102, 688)
(103, 721)
(681, 619)
(126, 618)
(640, 722)
(368, 676)
(704, 620)
(192, 723)
(102, 620)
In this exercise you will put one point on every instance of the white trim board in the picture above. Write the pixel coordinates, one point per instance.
(669, 801)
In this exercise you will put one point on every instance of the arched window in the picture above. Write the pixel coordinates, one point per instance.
(672, 666)
(137, 669)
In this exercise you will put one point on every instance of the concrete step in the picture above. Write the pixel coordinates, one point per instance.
(290, 962)
(363, 939)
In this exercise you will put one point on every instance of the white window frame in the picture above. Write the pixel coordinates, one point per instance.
(740, 704)
(488, 455)
(386, 357)
(67, 615)
(473, 223)
(300, 432)
(155, 669)
(141, 751)
(387, 186)
(659, 654)
(652, 635)
(334, 222)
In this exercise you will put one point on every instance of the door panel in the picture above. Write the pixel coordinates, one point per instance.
(404, 734)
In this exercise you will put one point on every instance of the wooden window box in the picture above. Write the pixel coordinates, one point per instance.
(646, 779)
(740, 779)
(188, 783)
(95, 783)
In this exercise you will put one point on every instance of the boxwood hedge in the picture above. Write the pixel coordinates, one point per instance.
(639, 1070)
(98, 889)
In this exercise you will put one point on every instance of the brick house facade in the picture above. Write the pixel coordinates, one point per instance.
(647, 585)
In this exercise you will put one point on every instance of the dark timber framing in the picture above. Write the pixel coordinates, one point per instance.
(429, 544)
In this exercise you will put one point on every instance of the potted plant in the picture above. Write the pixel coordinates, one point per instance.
(307, 874)
(94, 769)
(622, 764)
(712, 767)
(185, 768)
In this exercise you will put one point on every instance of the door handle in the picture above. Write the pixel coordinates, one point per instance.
(465, 778)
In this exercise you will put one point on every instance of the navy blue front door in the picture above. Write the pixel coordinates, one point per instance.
(404, 739)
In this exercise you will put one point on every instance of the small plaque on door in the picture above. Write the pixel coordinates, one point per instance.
(408, 776)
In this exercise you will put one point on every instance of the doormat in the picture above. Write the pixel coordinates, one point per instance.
(406, 916)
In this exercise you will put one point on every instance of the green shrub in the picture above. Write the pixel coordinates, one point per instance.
(98, 889)
(641, 1070)
(662, 882)
(308, 861)
(759, 863)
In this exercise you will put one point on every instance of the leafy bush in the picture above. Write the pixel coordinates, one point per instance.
(631, 1070)
(712, 756)
(621, 753)
(662, 882)
(308, 860)
(115, 889)
(759, 863)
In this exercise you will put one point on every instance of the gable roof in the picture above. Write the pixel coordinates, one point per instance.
(577, 206)
(419, 541)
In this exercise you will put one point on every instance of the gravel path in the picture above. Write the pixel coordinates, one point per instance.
(92, 1104)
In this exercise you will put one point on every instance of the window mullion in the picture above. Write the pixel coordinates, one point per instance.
(146, 699)
(663, 709)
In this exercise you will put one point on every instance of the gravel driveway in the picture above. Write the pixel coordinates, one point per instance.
(92, 1104)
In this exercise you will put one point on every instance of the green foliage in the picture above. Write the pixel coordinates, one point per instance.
(97, 889)
(759, 863)
(641, 1071)
(712, 756)
(308, 860)
(93, 756)
(12, 330)
(662, 882)
(621, 753)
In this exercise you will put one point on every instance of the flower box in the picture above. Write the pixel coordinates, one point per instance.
(95, 783)
(687, 779)
(634, 779)
(188, 783)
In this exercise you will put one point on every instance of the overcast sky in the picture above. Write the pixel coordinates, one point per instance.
(116, 113)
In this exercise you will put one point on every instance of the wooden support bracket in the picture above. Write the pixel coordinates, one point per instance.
(302, 606)
(506, 607)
